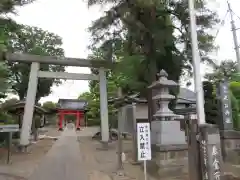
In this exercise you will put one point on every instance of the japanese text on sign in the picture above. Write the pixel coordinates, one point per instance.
(216, 163)
(205, 160)
(226, 103)
(144, 141)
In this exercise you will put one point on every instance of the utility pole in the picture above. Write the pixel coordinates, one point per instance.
(196, 64)
(234, 32)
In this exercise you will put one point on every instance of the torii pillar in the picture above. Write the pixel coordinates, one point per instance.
(103, 107)
(29, 106)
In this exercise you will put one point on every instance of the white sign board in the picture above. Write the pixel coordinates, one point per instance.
(9, 128)
(144, 141)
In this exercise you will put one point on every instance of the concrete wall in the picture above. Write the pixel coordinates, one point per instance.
(141, 111)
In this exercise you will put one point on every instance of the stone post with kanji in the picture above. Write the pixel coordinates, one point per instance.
(230, 138)
(225, 120)
(210, 152)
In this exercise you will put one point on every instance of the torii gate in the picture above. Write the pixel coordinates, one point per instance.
(35, 73)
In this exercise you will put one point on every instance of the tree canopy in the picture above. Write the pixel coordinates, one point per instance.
(33, 40)
(48, 105)
(7, 25)
(146, 37)
(227, 70)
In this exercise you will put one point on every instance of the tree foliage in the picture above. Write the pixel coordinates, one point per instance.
(149, 36)
(48, 105)
(227, 70)
(7, 25)
(33, 40)
(93, 97)
(145, 37)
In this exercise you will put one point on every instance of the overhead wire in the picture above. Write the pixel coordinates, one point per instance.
(221, 25)
(233, 11)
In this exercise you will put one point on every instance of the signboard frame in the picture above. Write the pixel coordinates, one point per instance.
(9, 128)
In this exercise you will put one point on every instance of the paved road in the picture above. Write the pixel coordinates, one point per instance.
(63, 161)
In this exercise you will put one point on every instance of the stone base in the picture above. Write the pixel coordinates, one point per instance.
(168, 161)
(231, 145)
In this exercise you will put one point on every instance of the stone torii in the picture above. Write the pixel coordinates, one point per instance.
(35, 73)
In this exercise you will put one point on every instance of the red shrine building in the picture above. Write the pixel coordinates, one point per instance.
(75, 107)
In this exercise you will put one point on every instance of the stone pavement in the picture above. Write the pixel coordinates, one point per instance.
(63, 161)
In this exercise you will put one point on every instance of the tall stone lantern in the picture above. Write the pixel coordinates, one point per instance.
(160, 129)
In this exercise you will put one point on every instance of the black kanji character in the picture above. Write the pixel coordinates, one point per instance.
(142, 154)
(141, 137)
(142, 145)
(141, 129)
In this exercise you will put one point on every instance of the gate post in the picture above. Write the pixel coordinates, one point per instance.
(194, 165)
(78, 119)
(210, 152)
(103, 106)
(29, 105)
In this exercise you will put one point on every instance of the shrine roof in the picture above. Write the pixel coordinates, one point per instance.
(19, 106)
(72, 104)
(71, 100)
(120, 101)
(185, 96)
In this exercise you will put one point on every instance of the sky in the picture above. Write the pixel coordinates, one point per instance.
(71, 18)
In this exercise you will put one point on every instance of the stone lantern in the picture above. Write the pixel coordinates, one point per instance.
(163, 124)
(163, 84)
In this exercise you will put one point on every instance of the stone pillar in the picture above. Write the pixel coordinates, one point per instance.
(194, 165)
(78, 119)
(210, 152)
(134, 134)
(60, 122)
(104, 106)
(29, 106)
(225, 122)
(230, 138)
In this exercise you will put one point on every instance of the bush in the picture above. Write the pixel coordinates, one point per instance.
(235, 111)
(93, 122)
(6, 118)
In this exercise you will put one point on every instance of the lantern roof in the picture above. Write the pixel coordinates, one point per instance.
(163, 81)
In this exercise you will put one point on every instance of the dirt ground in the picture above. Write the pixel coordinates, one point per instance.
(100, 164)
(23, 164)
